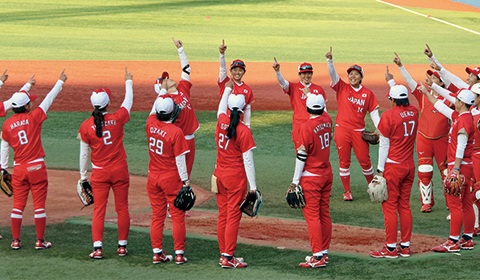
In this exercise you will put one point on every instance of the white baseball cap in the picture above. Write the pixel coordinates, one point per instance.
(398, 92)
(21, 98)
(466, 96)
(475, 88)
(236, 101)
(315, 101)
(100, 97)
(164, 104)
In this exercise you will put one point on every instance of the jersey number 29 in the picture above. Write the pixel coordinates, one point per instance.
(155, 144)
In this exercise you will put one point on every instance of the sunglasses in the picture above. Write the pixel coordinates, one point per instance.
(357, 68)
(306, 67)
(237, 64)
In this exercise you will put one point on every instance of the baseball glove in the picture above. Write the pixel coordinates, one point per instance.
(6, 182)
(252, 203)
(84, 191)
(377, 189)
(371, 137)
(452, 184)
(295, 197)
(185, 198)
(476, 192)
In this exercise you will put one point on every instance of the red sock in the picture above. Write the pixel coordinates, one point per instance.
(346, 182)
(369, 178)
(16, 220)
(40, 223)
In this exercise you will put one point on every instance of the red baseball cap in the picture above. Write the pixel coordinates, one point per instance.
(435, 73)
(355, 67)
(237, 63)
(475, 71)
(158, 82)
(305, 67)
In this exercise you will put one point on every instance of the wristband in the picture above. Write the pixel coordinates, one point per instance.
(458, 169)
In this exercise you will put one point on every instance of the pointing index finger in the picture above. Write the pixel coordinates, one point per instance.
(62, 71)
(4, 71)
(223, 42)
(330, 48)
(387, 69)
(275, 59)
(396, 54)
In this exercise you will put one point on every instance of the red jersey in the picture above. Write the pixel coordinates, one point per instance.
(298, 100)
(230, 151)
(462, 121)
(432, 123)
(165, 142)
(316, 136)
(400, 125)
(237, 89)
(3, 113)
(23, 133)
(187, 120)
(353, 105)
(476, 124)
(108, 149)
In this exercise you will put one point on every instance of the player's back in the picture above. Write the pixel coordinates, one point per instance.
(316, 137)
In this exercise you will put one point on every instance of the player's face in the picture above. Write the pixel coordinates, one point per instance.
(306, 77)
(28, 106)
(436, 80)
(477, 100)
(237, 74)
(472, 79)
(355, 78)
(458, 105)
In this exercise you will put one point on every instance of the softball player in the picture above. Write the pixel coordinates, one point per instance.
(314, 173)
(7, 104)
(187, 120)
(22, 132)
(233, 168)
(398, 127)
(297, 92)
(167, 150)
(103, 134)
(354, 101)
(459, 156)
(475, 111)
(237, 70)
(432, 137)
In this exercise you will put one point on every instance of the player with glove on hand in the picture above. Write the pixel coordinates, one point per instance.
(313, 173)
(398, 127)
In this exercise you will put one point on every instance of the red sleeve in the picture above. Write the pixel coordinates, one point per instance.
(384, 125)
(83, 132)
(372, 102)
(245, 138)
(122, 115)
(305, 138)
(249, 97)
(184, 86)
(2, 110)
(418, 95)
(290, 88)
(38, 115)
(5, 135)
(180, 145)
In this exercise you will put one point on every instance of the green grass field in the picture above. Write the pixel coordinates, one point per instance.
(360, 31)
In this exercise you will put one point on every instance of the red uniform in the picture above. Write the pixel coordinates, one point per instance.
(317, 178)
(242, 89)
(399, 125)
(476, 149)
(3, 113)
(231, 181)
(165, 142)
(109, 171)
(187, 120)
(350, 122)
(298, 101)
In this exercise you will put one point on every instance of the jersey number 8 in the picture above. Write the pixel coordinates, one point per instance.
(22, 137)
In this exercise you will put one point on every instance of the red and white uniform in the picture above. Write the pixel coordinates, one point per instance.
(242, 89)
(476, 145)
(231, 181)
(22, 132)
(316, 180)
(399, 125)
(165, 142)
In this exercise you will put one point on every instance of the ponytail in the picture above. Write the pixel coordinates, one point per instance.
(234, 120)
(98, 120)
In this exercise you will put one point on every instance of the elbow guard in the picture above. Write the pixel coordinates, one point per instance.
(302, 156)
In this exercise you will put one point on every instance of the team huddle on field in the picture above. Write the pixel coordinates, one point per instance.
(445, 127)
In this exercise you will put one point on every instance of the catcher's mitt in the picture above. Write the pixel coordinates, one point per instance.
(377, 189)
(251, 204)
(185, 198)
(371, 137)
(452, 184)
(6, 182)
(84, 191)
(476, 192)
(295, 197)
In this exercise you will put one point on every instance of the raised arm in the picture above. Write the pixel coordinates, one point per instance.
(442, 91)
(283, 83)
(440, 106)
(222, 106)
(446, 75)
(128, 101)
(183, 60)
(47, 102)
(331, 69)
(3, 78)
(406, 76)
(223, 65)
(163, 90)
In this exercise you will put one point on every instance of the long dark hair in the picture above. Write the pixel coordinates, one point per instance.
(234, 120)
(98, 120)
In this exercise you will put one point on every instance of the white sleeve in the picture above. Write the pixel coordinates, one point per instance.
(444, 109)
(462, 140)
(445, 80)
(299, 165)
(182, 167)
(443, 92)
(184, 64)
(408, 79)
(248, 115)
(283, 83)
(47, 102)
(391, 82)
(1, 84)
(383, 152)
(26, 87)
(7, 104)
(332, 72)
(375, 117)
(250, 169)
(84, 151)
(222, 106)
(5, 154)
(223, 69)
(127, 102)
(446, 75)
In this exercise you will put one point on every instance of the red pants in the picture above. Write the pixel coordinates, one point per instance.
(163, 188)
(295, 136)
(190, 157)
(476, 174)
(29, 177)
(317, 192)
(118, 179)
(461, 208)
(231, 193)
(400, 179)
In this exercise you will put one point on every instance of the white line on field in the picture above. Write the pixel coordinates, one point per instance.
(430, 17)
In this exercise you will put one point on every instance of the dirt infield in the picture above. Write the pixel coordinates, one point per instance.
(435, 4)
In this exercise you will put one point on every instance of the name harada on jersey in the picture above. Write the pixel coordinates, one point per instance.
(106, 123)
(19, 123)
